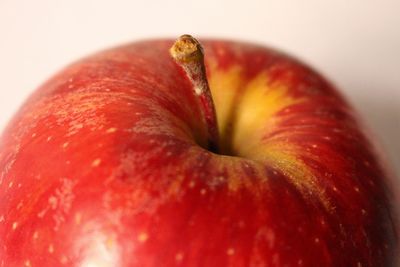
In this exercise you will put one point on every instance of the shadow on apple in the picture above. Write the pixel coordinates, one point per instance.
(382, 118)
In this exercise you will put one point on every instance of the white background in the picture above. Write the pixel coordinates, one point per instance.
(355, 43)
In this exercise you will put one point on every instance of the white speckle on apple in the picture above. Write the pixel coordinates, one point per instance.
(42, 213)
(14, 225)
(269, 235)
(169, 153)
(68, 162)
(19, 206)
(142, 237)
(53, 202)
(64, 259)
(35, 235)
(74, 128)
(27, 263)
(334, 189)
(275, 259)
(230, 251)
(62, 200)
(19, 185)
(51, 248)
(179, 256)
(357, 189)
(49, 138)
(111, 130)
(221, 51)
(33, 135)
(192, 184)
(78, 218)
(314, 146)
(10, 184)
(300, 262)
(198, 90)
(65, 145)
(316, 240)
(203, 191)
(1, 218)
(363, 211)
(96, 162)
(327, 138)
(359, 264)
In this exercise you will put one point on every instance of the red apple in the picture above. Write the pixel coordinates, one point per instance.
(117, 161)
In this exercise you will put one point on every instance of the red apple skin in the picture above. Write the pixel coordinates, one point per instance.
(104, 165)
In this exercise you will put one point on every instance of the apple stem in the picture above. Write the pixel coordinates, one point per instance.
(188, 53)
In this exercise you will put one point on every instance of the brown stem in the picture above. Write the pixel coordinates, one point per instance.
(188, 53)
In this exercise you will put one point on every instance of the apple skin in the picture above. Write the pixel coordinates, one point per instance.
(105, 165)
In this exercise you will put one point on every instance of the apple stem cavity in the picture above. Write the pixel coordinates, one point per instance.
(188, 53)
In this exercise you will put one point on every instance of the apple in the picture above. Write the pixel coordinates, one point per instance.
(148, 156)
